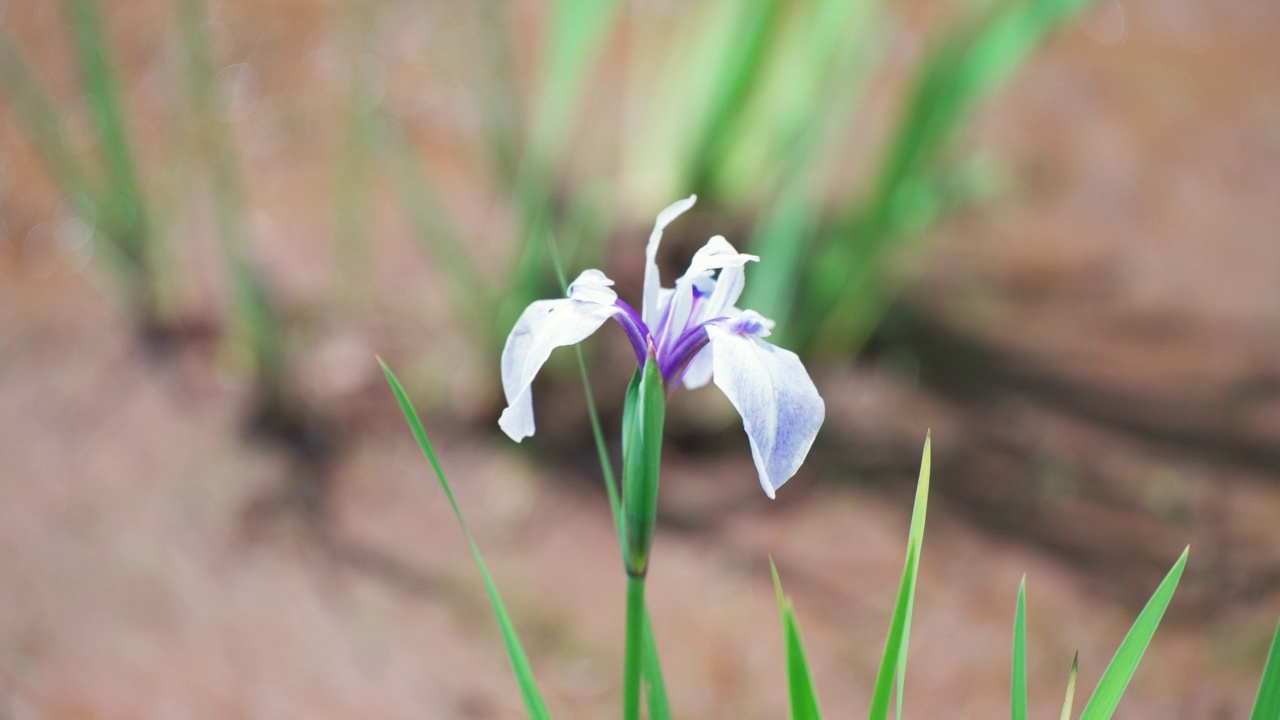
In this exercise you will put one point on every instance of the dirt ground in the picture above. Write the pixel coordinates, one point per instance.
(1095, 350)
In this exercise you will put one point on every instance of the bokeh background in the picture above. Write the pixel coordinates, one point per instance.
(1045, 230)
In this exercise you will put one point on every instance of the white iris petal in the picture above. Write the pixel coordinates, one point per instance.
(544, 326)
(653, 283)
(780, 407)
(717, 254)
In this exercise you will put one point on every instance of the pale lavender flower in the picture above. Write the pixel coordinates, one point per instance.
(696, 334)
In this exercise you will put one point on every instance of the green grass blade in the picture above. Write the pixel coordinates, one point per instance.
(893, 644)
(916, 538)
(1018, 703)
(1122, 666)
(1071, 687)
(515, 651)
(804, 695)
(894, 662)
(1267, 704)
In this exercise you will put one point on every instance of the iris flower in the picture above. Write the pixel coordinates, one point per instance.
(696, 334)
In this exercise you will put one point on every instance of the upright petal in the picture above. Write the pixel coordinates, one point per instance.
(729, 285)
(717, 254)
(652, 283)
(544, 326)
(781, 409)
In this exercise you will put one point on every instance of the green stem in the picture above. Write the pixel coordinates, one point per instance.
(635, 648)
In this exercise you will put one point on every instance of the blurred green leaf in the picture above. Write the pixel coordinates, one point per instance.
(819, 77)
(256, 319)
(846, 295)
(1267, 704)
(353, 183)
(737, 68)
(1122, 666)
(114, 202)
(101, 87)
(41, 120)
(433, 227)
(804, 696)
(572, 41)
(515, 651)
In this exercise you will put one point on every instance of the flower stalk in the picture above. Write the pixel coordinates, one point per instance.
(641, 457)
(642, 422)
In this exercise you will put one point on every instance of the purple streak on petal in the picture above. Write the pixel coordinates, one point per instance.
(635, 328)
(681, 353)
(669, 336)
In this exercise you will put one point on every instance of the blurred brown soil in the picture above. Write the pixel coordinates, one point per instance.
(1095, 351)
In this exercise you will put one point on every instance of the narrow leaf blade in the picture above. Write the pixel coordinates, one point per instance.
(1122, 666)
(915, 537)
(1018, 703)
(1267, 704)
(515, 651)
(893, 644)
(804, 695)
(1071, 687)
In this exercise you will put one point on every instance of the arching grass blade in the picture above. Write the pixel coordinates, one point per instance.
(1018, 703)
(519, 661)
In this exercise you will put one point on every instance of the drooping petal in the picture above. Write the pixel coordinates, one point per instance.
(652, 283)
(780, 407)
(544, 326)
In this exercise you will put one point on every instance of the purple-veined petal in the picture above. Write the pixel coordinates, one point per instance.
(717, 254)
(780, 407)
(544, 326)
(652, 283)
